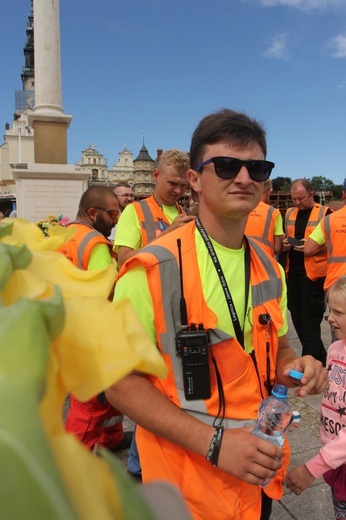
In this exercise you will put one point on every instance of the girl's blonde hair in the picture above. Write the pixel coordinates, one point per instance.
(338, 287)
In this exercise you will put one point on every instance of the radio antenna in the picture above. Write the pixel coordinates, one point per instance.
(183, 310)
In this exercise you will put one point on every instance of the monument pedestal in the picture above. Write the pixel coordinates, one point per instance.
(49, 189)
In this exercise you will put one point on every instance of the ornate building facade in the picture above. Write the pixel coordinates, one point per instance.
(18, 147)
(137, 172)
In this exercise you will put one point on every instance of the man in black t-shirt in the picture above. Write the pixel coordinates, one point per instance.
(305, 276)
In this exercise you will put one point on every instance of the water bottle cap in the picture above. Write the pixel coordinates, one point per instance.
(280, 391)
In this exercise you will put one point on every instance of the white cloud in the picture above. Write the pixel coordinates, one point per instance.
(338, 44)
(278, 47)
(305, 5)
(342, 84)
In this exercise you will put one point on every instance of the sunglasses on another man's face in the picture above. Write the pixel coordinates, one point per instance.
(113, 213)
(229, 167)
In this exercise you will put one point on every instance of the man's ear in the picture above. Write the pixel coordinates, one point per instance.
(91, 212)
(156, 173)
(194, 179)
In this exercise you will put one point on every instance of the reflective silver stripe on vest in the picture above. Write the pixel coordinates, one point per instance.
(321, 213)
(112, 421)
(331, 258)
(266, 290)
(149, 224)
(170, 284)
(314, 223)
(288, 221)
(327, 229)
(169, 274)
(227, 423)
(82, 246)
(264, 239)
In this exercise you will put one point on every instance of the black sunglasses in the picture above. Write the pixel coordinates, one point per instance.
(114, 213)
(229, 167)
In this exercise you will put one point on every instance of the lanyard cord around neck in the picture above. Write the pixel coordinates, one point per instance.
(163, 224)
(177, 205)
(239, 332)
(234, 317)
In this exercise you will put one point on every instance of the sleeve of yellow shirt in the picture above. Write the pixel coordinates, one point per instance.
(283, 304)
(318, 236)
(278, 226)
(128, 232)
(134, 286)
(100, 258)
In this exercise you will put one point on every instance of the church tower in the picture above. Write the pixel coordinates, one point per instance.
(143, 174)
(18, 148)
(28, 72)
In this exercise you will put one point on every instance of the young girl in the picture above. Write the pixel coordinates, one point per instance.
(331, 459)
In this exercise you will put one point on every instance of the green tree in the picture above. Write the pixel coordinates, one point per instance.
(281, 182)
(320, 183)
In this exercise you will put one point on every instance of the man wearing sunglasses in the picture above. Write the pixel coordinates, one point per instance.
(95, 422)
(224, 343)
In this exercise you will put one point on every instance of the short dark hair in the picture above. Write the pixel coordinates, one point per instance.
(229, 127)
(95, 196)
(122, 184)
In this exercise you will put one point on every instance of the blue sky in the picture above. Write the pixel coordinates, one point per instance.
(158, 66)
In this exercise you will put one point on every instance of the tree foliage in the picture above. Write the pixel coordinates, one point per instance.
(279, 182)
(319, 183)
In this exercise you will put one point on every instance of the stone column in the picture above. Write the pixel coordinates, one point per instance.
(48, 96)
(48, 119)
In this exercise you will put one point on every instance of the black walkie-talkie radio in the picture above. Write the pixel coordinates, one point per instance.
(192, 343)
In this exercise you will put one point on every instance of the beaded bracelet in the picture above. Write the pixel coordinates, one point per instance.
(214, 446)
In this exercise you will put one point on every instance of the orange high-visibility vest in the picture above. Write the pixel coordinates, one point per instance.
(334, 230)
(152, 219)
(261, 223)
(208, 491)
(79, 247)
(315, 266)
(94, 421)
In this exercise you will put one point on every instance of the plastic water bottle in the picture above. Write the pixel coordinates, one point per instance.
(274, 416)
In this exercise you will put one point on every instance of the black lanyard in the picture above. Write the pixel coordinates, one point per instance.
(233, 313)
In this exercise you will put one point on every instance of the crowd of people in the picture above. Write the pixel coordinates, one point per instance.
(208, 282)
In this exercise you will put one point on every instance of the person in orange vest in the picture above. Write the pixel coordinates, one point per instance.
(149, 218)
(330, 236)
(143, 221)
(95, 422)
(265, 223)
(214, 302)
(305, 276)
